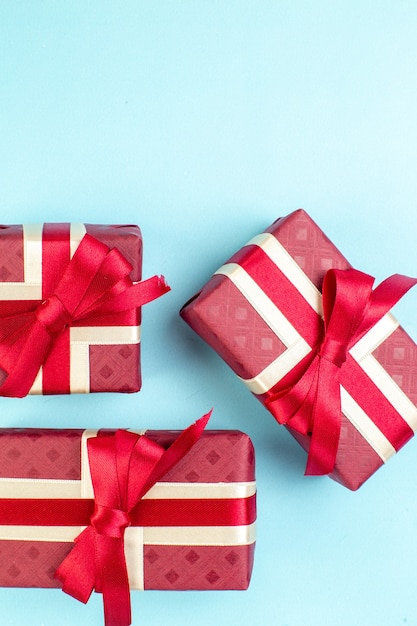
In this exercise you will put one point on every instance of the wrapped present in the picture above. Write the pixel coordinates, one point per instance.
(316, 344)
(70, 298)
(161, 510)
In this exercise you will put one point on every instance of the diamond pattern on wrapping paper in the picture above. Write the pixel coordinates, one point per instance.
(196, 567)
(114, 368)
(11, 255)
(40, 453)
(248, 344)
(129, 244)
(31, 564)
(393, 357)
(234, 461)
(311, 249)
(354, 455)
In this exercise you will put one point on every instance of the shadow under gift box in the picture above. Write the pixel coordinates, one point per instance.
(88, 357)
(259, 312)
(193, 544)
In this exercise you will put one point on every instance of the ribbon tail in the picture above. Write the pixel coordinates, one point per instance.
(114, 582)
(177, 450)
(150, 289)
(326, 422)
(292, 406)
(77, 571)
(132, 296)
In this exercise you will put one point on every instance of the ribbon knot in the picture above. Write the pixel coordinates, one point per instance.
(333, 351)
(123, 468)
(53, 315)
(311, 403)
(109, 521)
(95, 283)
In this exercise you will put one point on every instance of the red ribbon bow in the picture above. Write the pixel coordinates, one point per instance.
(312, 405)
(123, 468)
(96, 281)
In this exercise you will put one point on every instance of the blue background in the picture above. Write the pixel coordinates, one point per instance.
(203, 121)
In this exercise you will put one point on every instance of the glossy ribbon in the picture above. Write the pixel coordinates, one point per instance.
(312, 405)
(96, 281)
(123, 468)
(64, 512)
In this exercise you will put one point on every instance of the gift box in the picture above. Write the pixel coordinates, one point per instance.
(70, 297)
(190, 501)
(313, 341)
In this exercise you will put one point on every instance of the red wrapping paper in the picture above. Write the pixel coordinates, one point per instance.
(188, 540)
(102, 357)
(287, 264)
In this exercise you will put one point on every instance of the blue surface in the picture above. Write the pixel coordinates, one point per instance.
(203, 121)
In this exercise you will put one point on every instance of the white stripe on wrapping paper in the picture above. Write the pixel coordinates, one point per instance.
(79, 367)
(134, 555)
(77, 232)
(36, 388)
(35, 488)
(282, 259)
(137, 537)
(297, 347)
(200, 535)
(86, 490)
(369, 431)
(158, 535)
(399, 400)
(361, 352)
(20, 291)
(105, 335)
(32, 253)
(201, 491)
(261, 303)
(374, 337)
(74, 489)
(277, 369)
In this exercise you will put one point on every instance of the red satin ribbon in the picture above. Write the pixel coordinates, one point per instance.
(312, 404)
(95, 282)
(147, 513)
(123, 468)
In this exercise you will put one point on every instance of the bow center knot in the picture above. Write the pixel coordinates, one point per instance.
(110, 522)
(333, 351)
(53, 315)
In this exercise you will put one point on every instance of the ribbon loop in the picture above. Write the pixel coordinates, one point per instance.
(53, 315)
(110, 522)
(312, 404)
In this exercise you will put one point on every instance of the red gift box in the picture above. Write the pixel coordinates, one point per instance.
(193, 529)
(61, 323)
(263, 313)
